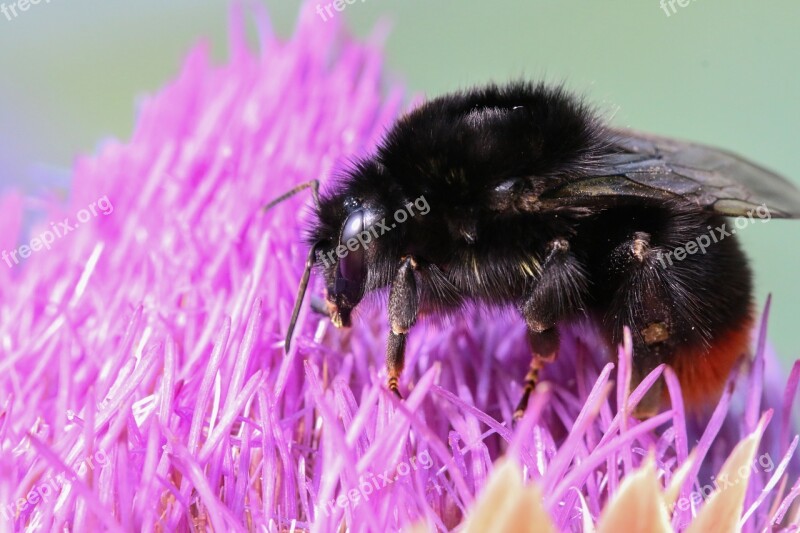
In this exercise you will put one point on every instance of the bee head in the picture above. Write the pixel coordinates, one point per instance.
(343, 253)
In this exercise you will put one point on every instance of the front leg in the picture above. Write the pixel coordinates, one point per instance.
(403, 309)
(558, 294)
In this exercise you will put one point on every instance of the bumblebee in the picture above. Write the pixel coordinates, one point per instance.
(535, 202)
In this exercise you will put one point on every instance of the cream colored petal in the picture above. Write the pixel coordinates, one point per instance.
(418, 528)
(503, 487)
(638, 505)
(505, 504)
(723, 509)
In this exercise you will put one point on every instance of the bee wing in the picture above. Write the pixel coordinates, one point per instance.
(647, 166)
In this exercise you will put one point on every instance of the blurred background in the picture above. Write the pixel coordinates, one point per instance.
(723, 73)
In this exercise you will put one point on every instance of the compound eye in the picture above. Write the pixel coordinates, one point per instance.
(352, 264)
(352, 269)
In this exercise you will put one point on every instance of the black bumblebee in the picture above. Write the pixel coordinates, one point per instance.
(535, 202)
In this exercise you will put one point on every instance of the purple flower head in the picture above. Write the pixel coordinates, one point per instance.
(144, 384)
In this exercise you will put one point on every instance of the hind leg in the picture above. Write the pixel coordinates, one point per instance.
(686, 305)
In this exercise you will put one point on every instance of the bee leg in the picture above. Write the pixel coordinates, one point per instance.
(557, 294)
(545, 348)
(403, 309)
(395, 359)
(643, 303)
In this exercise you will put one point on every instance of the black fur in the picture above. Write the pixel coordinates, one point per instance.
(481, 159)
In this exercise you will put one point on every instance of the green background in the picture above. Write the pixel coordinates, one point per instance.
(724, 73)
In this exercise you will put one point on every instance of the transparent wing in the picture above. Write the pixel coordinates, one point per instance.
(647, 166)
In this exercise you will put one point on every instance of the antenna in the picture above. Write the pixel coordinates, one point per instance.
(301, 290)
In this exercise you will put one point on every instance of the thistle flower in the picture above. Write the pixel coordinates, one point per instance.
(144, 384)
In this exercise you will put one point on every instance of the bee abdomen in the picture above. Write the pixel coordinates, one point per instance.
(703, 370)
